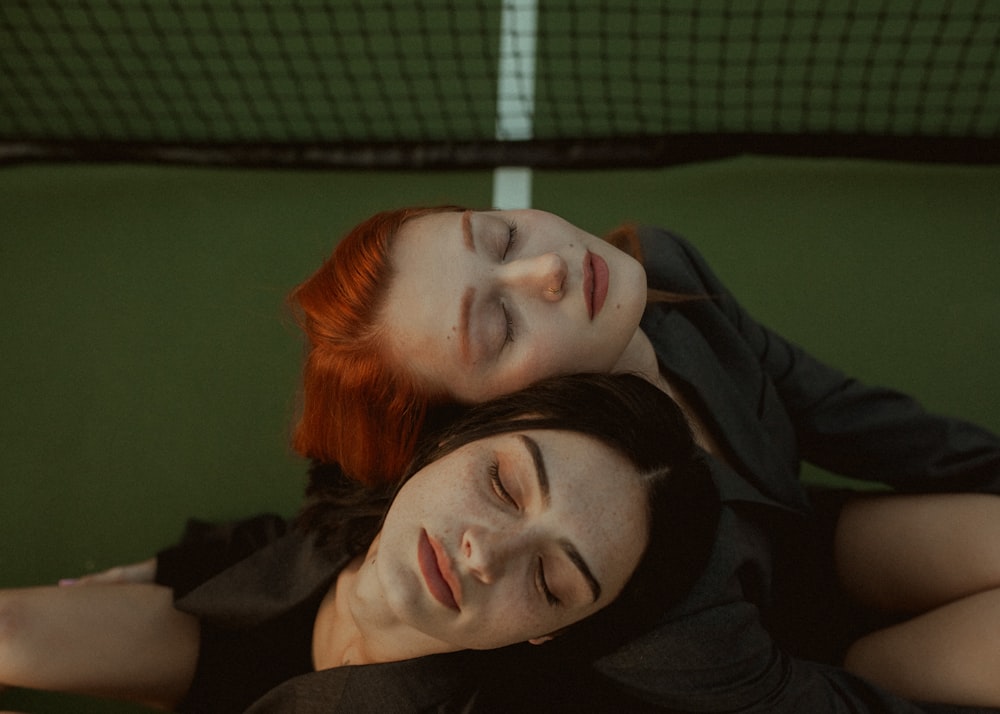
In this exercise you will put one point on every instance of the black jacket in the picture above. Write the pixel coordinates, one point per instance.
(773, 405)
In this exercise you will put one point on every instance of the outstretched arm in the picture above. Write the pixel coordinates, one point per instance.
(205, 550)
(124, 641)
(142, 572)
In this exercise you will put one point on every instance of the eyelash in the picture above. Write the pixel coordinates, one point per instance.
(498, 488)
(544, 585)
(511, 238)
(503, 494)
(509, 332)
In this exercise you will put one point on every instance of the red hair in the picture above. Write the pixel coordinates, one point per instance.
(359, 409)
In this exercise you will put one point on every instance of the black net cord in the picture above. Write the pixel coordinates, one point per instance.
(540, 154)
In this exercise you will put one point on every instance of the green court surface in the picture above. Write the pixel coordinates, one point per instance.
(149, 367)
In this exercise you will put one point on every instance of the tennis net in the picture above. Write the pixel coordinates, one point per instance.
(470, 83)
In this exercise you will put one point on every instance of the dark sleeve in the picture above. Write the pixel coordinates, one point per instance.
(738, 668)
(438, 684)
(206, 549)
(854, 429)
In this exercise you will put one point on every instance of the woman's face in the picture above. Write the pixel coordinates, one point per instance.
(510, 538)
(484, 304)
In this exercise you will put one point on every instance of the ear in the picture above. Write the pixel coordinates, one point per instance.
(545, 638)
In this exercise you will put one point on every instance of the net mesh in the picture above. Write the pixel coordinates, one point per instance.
(428, 82)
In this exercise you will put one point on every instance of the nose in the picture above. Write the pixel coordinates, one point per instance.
(486, 552)
(540, 276)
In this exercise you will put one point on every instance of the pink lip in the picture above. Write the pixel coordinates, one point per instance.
(435, 566)
(595, 283)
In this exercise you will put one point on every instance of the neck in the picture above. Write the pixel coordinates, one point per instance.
(639, 358)
(338, 638)
(356, 625)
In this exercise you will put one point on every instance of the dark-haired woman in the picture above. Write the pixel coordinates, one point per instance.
(523, 522)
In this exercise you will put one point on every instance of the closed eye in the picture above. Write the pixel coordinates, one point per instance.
(543, 585)
(497, 484)
(508, 326)
(511, 238)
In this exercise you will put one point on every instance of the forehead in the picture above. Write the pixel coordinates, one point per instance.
(421, 311)
(585, 474)
(599, 501)
(429, 227)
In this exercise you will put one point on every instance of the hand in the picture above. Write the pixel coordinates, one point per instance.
(141, 572)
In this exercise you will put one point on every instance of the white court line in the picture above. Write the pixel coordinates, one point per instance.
(515, 97)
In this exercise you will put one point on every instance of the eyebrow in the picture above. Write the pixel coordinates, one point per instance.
(465, 310)
(540, 472)
(467, 231)
(543, 486)
(581, 565)
(464, 344)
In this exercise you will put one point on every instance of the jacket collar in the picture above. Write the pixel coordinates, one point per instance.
(683, 353)
(443, 684)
